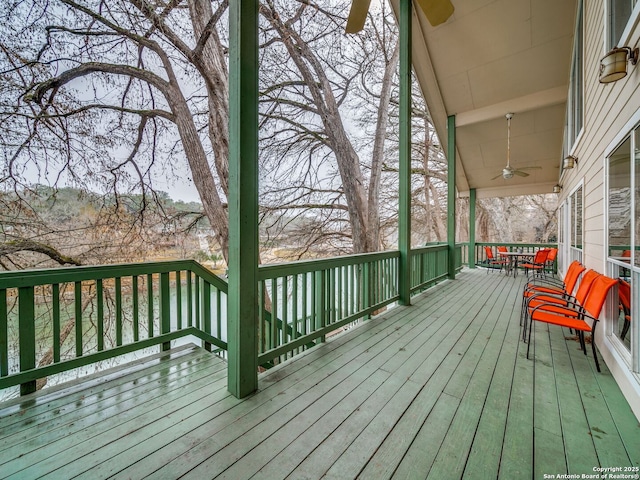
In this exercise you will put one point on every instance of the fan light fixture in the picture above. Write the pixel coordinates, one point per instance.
(569, 162)
(613, 65)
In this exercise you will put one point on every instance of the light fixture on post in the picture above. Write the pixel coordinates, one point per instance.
(613, 65)
(569, 162)
(557, 188)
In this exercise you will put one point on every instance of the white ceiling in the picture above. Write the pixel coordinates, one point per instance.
(490, 58)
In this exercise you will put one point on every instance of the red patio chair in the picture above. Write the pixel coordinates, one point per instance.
(590, 311)
(551, 259)
(491, 261)
(537, 264)
(567, 305)
(554, 287)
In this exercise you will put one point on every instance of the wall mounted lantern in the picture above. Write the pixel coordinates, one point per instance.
(613, 65)
(557, 188)
(569, 162)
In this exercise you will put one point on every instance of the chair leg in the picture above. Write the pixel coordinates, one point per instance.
(529, 342)
(593, 346)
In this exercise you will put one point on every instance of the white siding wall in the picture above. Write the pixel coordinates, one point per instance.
(608, 108)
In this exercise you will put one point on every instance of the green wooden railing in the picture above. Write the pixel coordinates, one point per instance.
(101, 313)
(52, 321)
(310, 299)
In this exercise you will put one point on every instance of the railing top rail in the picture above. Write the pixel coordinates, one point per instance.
(35, 277)
(305, 266)
(430, 248)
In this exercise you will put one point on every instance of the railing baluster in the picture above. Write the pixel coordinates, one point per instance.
(190, 297)
(100, 326)
(150, 305)
(178, 300)
(206, 306)
(118, 288)
(219, 313)
(294, 310)
(320, 296)
(198, 301)
(77, 294)
(136, 310)
(4, 334)
(263, 330)
(285, 307)
(55, 305)
(165, 308)
(27, 340)
(305, 304)
(275, 337)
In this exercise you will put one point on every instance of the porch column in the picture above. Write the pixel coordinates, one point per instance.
(242, 307)
(472, 228)
(404, 213)
(451, 194)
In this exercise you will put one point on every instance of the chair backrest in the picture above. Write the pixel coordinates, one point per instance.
(626, 253)
(502, 249)
(553, 253)
(573, 273)
(541, 256)
(585, 285)
(489, 252)
(598, 294)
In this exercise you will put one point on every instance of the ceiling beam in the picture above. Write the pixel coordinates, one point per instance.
(545, 98)
(511, 191)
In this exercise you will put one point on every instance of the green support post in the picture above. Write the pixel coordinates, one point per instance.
(472, 228)
(404, 220)
(451, 194)
(243, 198)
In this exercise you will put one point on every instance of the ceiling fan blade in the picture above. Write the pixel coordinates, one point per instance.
(357, 15)
(520, 173)
(497, 177)
(437, 11)
(530, 168)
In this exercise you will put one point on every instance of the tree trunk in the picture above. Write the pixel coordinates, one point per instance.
(378, 150)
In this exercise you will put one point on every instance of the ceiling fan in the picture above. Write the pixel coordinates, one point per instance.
(508, 171)
(436, 11)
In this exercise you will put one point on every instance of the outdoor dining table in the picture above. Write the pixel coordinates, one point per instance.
(513, 260)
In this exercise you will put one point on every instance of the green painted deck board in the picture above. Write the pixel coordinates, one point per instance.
(441, 389)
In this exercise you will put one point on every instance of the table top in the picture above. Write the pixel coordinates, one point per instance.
(517, 254)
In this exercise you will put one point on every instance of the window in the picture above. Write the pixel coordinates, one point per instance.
(575, 102)
(636, 242)
(623, 230)
(619, 13)
(576, 219)
(619, 200)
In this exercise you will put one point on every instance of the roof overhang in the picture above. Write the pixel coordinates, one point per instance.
(491, 58)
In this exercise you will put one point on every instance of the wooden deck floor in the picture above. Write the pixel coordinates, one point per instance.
(438, 390)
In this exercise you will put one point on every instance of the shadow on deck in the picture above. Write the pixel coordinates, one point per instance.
(438, 390)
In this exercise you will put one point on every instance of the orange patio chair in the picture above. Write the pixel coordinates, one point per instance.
(557, 288)
(569, 306)
(551, 259)
(537, 264)
(588, 312)
(491, 261)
